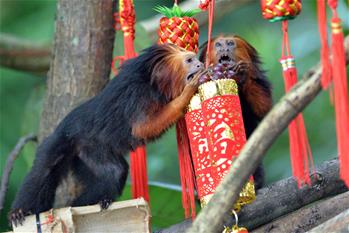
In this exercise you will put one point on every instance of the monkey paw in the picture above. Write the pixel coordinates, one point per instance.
(105, 203)
(240, 70)
(16, 216)
(240, 67)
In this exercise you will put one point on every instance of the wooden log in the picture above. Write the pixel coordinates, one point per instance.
(308, 217)
(281, 198)
(338, 224)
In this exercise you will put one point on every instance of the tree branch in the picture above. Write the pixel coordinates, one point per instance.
(214, 215)
(308, 217)
(340, 223)
(9, 165)
(222, 7)
(80, 67)
(24, 55)
(281, 198)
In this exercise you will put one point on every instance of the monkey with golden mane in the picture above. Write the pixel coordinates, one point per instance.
(84, 156)
(254, 88)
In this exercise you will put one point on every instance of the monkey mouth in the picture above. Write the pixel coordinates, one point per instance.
(225, 59)
(191, 75)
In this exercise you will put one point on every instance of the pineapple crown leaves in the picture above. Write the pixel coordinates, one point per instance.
(176, 11)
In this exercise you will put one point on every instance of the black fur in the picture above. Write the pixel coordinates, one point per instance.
(91, 140)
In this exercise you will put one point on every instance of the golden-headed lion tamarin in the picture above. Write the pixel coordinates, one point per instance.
(254, 88)
(84, 156)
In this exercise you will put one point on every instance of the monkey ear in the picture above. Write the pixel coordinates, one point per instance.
(252, 52)
(161, 78)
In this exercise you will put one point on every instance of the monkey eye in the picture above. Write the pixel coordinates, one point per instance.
(218, 44)
(189, 60)
(230, 43)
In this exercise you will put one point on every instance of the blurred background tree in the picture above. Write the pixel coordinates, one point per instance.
(22, 93)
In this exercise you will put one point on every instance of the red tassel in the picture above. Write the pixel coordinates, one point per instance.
(139, 178)
(138, 163)
(325, 58)
(300, 151)
(185, 169)
(340, 93)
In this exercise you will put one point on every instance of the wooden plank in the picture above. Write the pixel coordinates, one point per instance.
(124, 216)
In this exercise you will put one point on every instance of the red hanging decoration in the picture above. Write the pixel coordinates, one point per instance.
(185, 169)
(300, 152)
(216, 132)
(340, 88)
(204, 4)
(278, 10)
(325, 51)
(181, 29)
(336, 72)
(138, 170)
(205, 182)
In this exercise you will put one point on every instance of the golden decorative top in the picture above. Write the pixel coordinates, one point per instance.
(227, 87)
(218, 88)
(246, 196)
(336, 26)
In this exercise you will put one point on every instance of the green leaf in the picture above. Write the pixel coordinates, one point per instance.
(175, 11)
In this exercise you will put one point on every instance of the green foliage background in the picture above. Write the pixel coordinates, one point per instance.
(21, 94)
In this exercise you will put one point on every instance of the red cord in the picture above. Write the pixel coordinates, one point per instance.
(209, 37)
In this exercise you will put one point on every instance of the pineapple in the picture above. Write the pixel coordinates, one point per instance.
(179, 27)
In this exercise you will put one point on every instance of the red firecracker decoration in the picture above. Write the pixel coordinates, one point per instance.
(335, 71)
(138, 170)
(300, 152)
(216, 133)
(204, 172)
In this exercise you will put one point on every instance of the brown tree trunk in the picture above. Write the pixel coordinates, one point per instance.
(82, 55)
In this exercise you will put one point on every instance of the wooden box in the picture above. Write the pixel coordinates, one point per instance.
(124, 216)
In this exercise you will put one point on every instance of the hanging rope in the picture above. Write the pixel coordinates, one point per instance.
(210, 6)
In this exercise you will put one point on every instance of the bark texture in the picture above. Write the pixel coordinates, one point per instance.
(308, 217)
(82, 55)
(338, 224)
(282, 198)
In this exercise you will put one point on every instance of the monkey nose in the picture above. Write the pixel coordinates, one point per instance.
(200, 65)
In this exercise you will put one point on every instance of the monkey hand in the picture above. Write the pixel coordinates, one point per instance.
(16, 216)
(240, 70)
(105, 203)
(192, 86)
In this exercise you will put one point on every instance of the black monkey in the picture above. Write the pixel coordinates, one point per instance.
(83, 157)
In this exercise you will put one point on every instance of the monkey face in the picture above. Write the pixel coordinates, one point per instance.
(192, 65)
(224, 50)
(175, 70)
